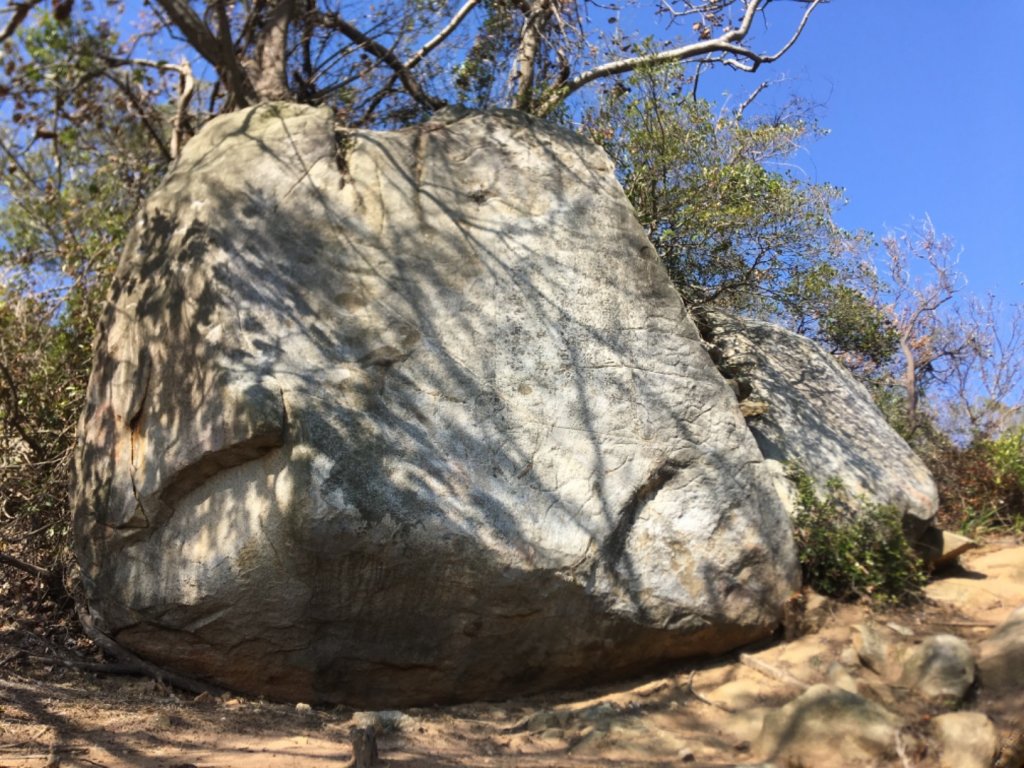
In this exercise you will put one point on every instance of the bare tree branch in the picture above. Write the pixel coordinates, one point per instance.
(750, 100)
(19, 11)
(138, 665)
(758, 60)
(14, 415)
(385, 56)
(21, 565)
(125, 86)
(927, 333)
(220, 55)
(186, 89)
(729, 42)
(440, 37)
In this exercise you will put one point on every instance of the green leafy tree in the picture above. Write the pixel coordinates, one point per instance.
(81, 150)
(736, 226)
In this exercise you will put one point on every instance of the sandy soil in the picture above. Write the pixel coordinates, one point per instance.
(703, 715)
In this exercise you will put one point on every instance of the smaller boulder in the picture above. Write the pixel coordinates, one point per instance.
(803, 407)
(942, 667)
(1001, 655)
(965, 739)
(876, 649)
(828, 726)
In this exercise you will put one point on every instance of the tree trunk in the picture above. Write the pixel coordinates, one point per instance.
(364, 747)
(523, 69)
(909, 383)
(268, 72)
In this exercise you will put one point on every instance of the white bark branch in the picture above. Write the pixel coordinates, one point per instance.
(759, 59)
(187, 88)
(729, 42)
(440, 37)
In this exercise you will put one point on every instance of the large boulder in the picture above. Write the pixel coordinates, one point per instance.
(806, 409)
(408, 417)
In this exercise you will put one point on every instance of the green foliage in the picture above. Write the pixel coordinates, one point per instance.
(843, 318)
(846, 551)
(736, 227)
(77, 167)
(981, 484)
(1006, 455)
(44, 358)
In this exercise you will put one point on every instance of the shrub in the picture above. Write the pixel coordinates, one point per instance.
(849, 551)
(981, 485)
(44, 362)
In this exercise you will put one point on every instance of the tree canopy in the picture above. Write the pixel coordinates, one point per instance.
(398, 57)
(735, 222)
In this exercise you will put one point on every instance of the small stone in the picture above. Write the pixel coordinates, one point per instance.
(552, 734)
(942, 667)
(564, 717)
(899, 629)
(817, 611)
(687, 756)
(826, 721)
(1001, 655)
(598, 711)
(303, 709)
(965, 739)
(873, 647)
(849, 658)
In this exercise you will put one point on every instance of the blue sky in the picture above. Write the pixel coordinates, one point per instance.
(925, 103)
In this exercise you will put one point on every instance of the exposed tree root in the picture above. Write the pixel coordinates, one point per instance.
(130, 664)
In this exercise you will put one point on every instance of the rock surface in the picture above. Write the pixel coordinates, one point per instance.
(941, 667)
(1001, 654)
(965, 739)
(411, 417)
(813, 413)
(709, 713)
(828, 726)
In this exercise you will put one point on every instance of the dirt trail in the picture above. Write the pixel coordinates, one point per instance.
(707, 715)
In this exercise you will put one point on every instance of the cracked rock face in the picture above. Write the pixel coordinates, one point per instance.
(412, 417)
